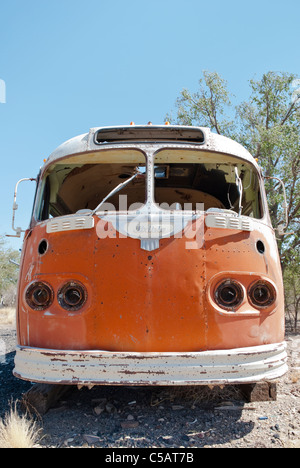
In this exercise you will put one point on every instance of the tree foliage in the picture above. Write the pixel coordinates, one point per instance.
(9, 260)
(268, 125)
(207, 107)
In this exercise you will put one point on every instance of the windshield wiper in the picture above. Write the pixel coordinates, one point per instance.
(116, 190)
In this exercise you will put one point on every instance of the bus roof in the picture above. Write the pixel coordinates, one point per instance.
(124, 136)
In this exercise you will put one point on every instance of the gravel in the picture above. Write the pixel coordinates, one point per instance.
(162, 417)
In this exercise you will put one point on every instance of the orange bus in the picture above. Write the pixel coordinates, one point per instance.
(150, 259)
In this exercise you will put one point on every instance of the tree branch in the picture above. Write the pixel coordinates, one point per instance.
(290, 110)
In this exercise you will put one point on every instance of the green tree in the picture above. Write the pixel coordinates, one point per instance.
(9, 260)
(207, 107)
(268, 125)
(292, 295)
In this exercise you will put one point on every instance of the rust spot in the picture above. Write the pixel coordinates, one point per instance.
(57, 359)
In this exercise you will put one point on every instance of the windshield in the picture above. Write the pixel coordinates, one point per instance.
(116, 180)
(83, 182)
(186, 179)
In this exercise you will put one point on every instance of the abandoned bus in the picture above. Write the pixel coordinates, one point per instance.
(150, 259)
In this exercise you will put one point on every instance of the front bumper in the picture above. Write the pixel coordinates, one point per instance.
(244, 365)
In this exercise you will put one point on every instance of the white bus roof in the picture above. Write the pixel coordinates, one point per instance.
(166, 135)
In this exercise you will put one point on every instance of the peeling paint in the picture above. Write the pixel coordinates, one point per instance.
(149, 292)
(29, 273)
(102, 367)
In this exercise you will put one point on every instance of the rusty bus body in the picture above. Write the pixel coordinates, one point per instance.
(150, 260)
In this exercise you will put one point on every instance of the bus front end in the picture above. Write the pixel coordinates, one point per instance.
(150, 260)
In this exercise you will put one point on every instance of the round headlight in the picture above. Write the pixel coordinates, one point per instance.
(39, 296)
(262, 294)
(72, 296)
(229, 294)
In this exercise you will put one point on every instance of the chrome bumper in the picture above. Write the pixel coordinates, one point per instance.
(244, 365)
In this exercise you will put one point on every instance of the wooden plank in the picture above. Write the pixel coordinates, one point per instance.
(261, 391)
(41, 397)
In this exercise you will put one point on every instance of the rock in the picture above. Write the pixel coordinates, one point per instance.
(129, 424)
(99, 409)
(110, 408)
(91, 439)
(166, 440)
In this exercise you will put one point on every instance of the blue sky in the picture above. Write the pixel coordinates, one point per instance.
(69, 65)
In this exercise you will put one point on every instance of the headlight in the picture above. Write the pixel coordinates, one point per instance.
(261, 294)
(229, 294)
(72, 296)
(39, 296)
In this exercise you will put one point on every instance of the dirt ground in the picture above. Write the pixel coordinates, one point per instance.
(162, 417)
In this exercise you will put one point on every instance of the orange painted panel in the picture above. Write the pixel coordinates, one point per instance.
(157, 301)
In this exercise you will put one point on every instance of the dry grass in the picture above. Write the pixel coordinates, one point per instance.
(7, 316)
(18, 431)
(196, 394)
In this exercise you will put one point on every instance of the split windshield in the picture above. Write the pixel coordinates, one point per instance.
(117, 180)
(189, 178)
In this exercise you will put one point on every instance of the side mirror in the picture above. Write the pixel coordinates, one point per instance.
(17, 230)
(282, 227)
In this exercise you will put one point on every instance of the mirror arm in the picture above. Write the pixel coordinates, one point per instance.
(17, 230)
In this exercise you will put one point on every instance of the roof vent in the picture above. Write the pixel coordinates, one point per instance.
(149, 133)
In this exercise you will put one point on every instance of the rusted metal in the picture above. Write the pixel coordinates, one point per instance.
(236, 366)
(150, 313)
